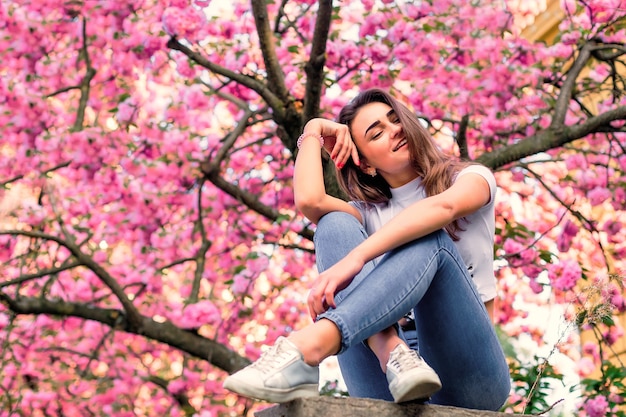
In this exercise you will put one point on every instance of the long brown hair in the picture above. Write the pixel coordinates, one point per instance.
(436, 169)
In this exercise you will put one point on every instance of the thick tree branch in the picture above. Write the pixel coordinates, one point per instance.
(461, 138)
(567, 89)
(551, 138)
(163, 332)
(44, 173)
(40, 274)
(608, 51)
(260, 88)
(212, 164)
(250, 200)
(200, 257)
(211, 169)
(275, 75)
(85, 83)
(314, 68)
(89, 263)
(181, 398)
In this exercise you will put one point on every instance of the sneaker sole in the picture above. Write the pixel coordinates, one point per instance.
(272, 395)
(406, 390)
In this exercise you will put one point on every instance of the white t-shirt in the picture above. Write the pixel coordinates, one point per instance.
(475, 242)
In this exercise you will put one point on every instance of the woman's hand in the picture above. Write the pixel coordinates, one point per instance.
(337, 140)
(328, 283)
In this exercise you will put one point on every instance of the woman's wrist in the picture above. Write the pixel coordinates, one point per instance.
(306, 135)
(358, 256)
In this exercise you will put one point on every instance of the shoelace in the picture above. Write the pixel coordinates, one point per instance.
(405, 359)
(270, 359)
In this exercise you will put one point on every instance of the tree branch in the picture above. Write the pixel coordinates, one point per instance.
(250, 200)
(84, 84)
(163, 332)
(461, 138)
(200, 257)
(567, 89)
(88, 262)
(314, 68)
(181, 398)
(275, 75)
(260, 88)
(551, 138)
(46, 172)
(39, 274)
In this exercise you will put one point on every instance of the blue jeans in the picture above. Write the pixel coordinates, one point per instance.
(456, 336)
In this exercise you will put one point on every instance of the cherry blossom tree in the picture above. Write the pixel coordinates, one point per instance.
(148, 240)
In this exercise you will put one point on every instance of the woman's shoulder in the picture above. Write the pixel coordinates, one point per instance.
(484, 172)
(480, 170)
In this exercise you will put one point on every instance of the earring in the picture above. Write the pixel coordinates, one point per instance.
(373, 172)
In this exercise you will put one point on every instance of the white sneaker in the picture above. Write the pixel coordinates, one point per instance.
(409, 376)
(279, 375)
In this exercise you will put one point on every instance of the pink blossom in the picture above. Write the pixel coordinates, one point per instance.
(596, 407)
(529, 255)
(536, 287)
(576, 161)
(563, 243)
(512, 246)
(200, 313)
(613, 334)
(240, 284)
(4, 321)
(518, 175)
(183, 22)
(195, 98)
(612, 229)
(619, 199)
(616, 398)
(618, 301)
(570, 228)
(591, 348)
(179, 3)
(599, 195)
(125, 111)
(176, 386)
(258, 264)
(564, 275)
(586, 366)
(532, 271)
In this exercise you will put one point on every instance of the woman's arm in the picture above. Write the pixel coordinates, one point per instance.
(308, 179)
(469, 193)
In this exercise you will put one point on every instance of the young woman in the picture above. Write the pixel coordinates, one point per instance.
(417, 237)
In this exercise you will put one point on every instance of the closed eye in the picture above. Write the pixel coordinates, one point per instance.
(393, 118)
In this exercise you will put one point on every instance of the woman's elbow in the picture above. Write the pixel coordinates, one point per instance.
(303, 202)
(310, 208)
(449, 211)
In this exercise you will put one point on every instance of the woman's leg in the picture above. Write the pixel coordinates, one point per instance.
(336, 235)
(456, 336)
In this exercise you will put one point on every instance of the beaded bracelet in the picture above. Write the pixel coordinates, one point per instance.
(307, 134)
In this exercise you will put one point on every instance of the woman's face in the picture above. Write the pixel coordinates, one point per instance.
(378, 135)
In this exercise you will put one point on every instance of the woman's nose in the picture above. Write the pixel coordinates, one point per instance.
(395, 129)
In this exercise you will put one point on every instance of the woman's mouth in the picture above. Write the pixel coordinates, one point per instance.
(399, 145)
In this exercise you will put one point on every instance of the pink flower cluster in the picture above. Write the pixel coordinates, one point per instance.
(596, 407)
(198, 314)
(186, 23)
(564, 275)
(564, 240)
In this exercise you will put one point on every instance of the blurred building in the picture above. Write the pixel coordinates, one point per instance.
(544, 27)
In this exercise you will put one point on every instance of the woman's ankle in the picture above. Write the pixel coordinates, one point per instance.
(382, 344)
(317, 342)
